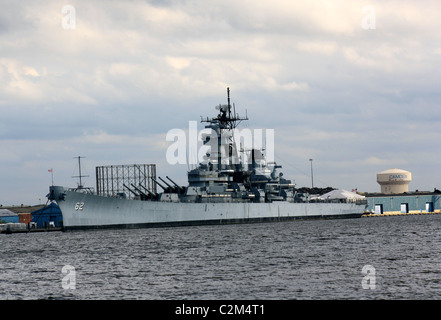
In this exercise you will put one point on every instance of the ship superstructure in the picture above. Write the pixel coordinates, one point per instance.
(231, 185)
(232, 174)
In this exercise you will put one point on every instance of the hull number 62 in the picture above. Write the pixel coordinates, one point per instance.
(79, 206)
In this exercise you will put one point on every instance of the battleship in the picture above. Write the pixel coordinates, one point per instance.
(231, 185)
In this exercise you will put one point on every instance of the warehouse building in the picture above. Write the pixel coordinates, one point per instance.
(7, 216)
(405, 203)
(395, 195)
(47, 217)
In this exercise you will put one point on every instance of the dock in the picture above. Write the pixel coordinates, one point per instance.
(399, 213)
(29, 230)
(10, 228)
(27, 219)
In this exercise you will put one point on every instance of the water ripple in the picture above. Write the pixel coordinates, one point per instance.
(294, 260)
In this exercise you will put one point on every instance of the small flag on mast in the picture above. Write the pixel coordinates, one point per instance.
(52, 174)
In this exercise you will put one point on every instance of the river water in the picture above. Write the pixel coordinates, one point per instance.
(395, 257)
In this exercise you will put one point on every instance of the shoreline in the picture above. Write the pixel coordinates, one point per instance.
(399, 213)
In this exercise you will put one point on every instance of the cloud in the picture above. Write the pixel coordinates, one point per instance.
(320, 47)
(355, 100)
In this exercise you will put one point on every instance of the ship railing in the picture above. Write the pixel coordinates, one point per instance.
(356, 201)
(86, 190)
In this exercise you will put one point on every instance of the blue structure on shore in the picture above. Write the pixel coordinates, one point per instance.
(406, 202)
(44, 216)
(7, 216)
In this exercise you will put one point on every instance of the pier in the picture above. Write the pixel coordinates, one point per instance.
(399, 213)
(30, 219)
(12, 229)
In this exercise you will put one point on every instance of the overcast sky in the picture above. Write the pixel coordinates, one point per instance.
(354, 85)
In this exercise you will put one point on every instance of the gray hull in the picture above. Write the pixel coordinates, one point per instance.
(88, 211)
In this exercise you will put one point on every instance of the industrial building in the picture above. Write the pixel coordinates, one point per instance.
(7, 216)
(404, 203)
(49, 216)
(395, 195)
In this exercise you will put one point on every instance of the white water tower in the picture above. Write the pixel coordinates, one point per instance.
(394, 181)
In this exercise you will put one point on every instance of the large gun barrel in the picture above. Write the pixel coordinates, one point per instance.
(181, 190)
(171, 188)
(144, 196)
(153, 195)
(137, 189)
(177, 186)
(131, 190)
(164, 188)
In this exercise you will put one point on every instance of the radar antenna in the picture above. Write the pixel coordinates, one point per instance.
(225, 118)
(80, 186)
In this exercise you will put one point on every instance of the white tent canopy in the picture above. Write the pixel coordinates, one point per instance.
(341, 194)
